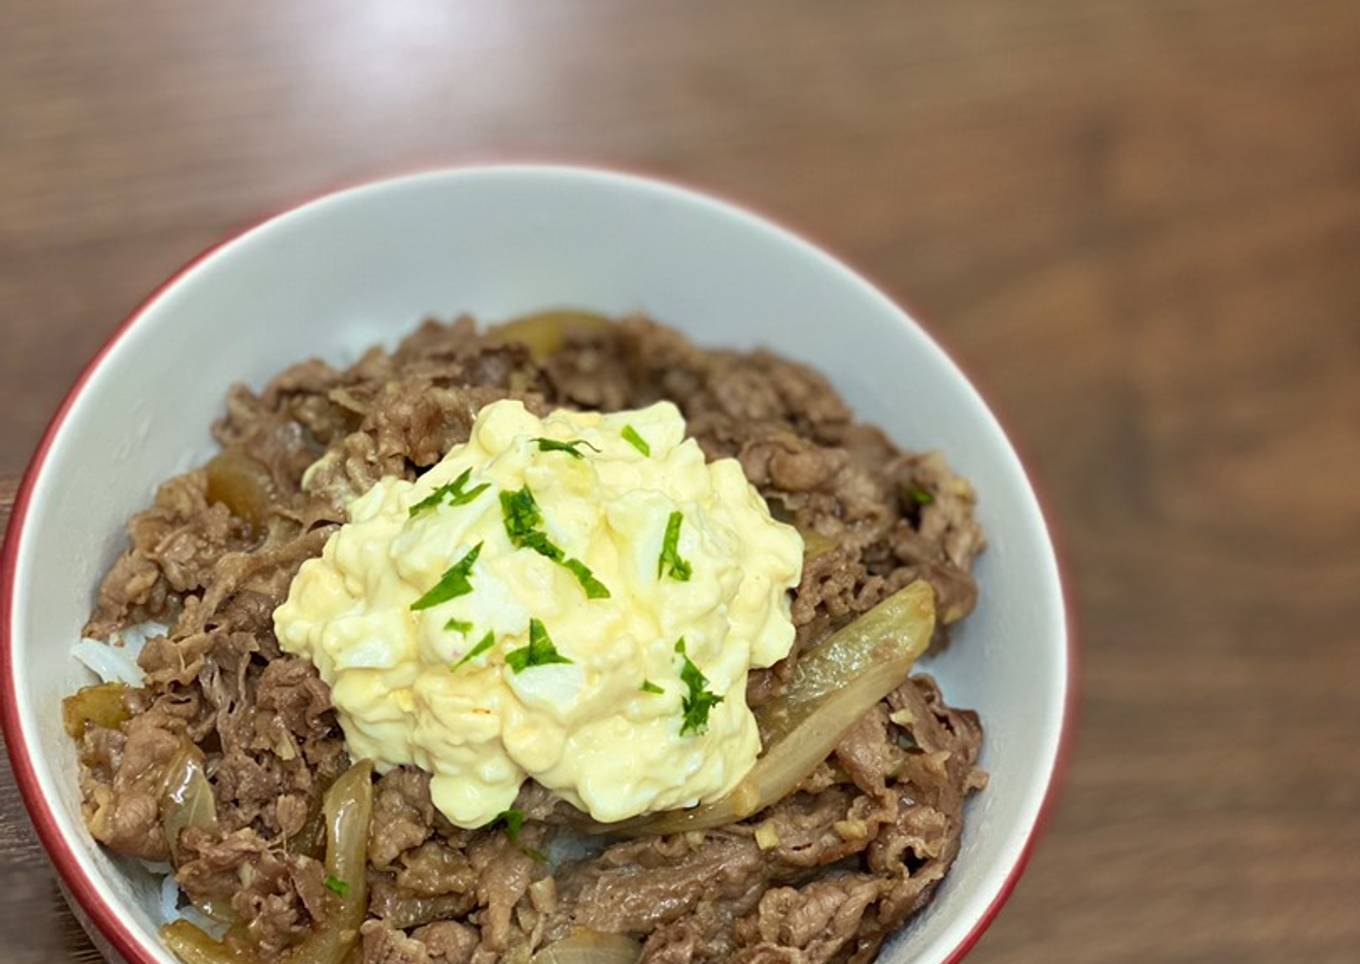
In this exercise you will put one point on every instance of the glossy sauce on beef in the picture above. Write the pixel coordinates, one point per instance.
(826, 874)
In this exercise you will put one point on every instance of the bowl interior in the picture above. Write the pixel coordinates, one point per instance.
(364, 266)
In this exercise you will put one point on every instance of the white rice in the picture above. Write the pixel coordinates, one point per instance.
(114, 660)
(168, 903)
(169, 899)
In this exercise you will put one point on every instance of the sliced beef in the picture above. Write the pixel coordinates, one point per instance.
(823, 875)
(635, 887)
(210, 868)
(436, 870)
(386, 945)
(277, 894)
(401, 909)
(504, 872)
(403, 815)
(125, 780)
(290, 687)
(808, 925)
(448, 942)
(175, 545)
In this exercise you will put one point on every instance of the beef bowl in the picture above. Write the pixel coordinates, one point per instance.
(530, 563)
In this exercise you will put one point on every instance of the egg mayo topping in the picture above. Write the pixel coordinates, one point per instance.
(576, 599)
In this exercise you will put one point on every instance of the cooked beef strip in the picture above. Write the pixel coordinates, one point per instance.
(448, 942)
(834, 868)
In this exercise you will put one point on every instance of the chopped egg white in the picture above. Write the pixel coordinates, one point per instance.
(393, 632)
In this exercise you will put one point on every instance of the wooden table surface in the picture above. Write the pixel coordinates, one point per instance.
(1137, 224)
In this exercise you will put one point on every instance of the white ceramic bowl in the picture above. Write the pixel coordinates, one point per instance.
(364, 265)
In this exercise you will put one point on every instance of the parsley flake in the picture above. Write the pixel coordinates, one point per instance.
(522, 525)
(486, 643)
(539, 652)
(519, 511)
(631, 436)
(337, 886)
(593, 587)
(570, 447)
(521, 515)
(458, 626)
(513, 820)
(699, 699)
(921, 497)
(680, 569)
(453, 491)
(452, 584)
(649, 687)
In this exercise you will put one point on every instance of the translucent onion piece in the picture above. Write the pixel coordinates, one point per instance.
(191, 945)
(242, 484)
(583, 946)
(218, 910)
(832, 687)
(348, 808)
(815, 544)
(545, 332)
(101, 705)
(188, 799)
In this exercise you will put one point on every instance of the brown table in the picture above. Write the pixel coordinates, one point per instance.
(1136, 223)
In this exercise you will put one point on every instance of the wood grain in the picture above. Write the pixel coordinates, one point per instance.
(1135, 224)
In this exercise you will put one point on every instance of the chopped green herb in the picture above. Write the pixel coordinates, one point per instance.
(699, 700)
(539, 652)
(552, 445)
(593, 587)
(522, 520)
(649, 687)
(486, 643)
(521, 514)
(430, 501)
(631, 436)
(453, 491)
(541, 544)
(452, 584)
(458, 626)
(513, 820)
(670, 551)
(463, 498)
(921, 497)
(336, 886)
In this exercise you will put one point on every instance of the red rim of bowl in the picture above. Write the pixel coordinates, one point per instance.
(82, 888)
